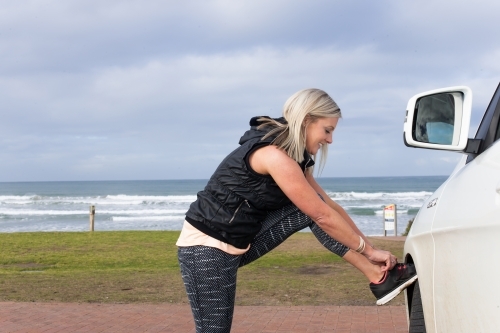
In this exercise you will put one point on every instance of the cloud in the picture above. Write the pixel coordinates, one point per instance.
(136, 90)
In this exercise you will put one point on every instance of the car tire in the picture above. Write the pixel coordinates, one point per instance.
(417, 324)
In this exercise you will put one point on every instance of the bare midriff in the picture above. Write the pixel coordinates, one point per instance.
(190, 236)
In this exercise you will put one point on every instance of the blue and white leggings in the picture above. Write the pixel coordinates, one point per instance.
(209, 274)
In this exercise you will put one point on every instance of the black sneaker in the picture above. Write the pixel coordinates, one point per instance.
(395, 281)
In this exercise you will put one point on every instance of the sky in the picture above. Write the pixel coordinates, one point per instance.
(137, 90)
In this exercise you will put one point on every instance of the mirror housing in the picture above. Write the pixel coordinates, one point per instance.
(439, 119)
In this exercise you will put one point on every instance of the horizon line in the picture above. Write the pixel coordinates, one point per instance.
(192, 179)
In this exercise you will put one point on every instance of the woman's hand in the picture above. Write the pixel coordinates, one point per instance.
(385, 259)
(394, 260)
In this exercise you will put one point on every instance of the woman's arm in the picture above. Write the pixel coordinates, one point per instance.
(310, 179)
(289, 177)
(341, 211)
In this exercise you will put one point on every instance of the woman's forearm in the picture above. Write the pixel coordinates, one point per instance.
(338, 228)
(335, 206)
(346, 217)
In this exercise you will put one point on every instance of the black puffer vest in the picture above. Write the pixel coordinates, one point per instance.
(236, 199)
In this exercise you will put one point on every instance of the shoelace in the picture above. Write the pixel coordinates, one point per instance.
(401, 270)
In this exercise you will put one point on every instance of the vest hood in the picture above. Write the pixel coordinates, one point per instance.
(253, 132)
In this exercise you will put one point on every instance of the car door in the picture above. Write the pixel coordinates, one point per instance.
(466, 232)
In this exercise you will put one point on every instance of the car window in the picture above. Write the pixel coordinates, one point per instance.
(488, 116)
(497, 136)
(489, 128)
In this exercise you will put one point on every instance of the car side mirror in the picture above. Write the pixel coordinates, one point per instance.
(439, 119)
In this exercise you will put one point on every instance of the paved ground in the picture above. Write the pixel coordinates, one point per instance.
(79, 318)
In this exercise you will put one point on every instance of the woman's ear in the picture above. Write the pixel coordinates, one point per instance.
(307, 121)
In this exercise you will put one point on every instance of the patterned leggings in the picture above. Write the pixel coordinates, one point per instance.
(209, 274)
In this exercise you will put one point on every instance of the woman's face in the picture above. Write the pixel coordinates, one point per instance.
(319, 133)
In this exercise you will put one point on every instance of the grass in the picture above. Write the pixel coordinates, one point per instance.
(141, 267)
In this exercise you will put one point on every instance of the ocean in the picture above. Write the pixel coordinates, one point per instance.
(161, 204)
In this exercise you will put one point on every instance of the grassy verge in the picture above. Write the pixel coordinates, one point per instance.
(141, 266)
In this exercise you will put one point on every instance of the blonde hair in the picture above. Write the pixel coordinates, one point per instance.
(302, 108)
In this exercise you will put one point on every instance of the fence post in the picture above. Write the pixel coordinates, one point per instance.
(383, 220)
(92, 215)
(395, 220)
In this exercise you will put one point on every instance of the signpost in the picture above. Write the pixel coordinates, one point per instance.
(390, 219)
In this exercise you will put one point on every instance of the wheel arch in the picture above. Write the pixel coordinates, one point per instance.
(409, 291)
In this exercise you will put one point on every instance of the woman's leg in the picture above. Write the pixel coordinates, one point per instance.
(281, 224)
(371, 271)
(284, 222)
(209, 276)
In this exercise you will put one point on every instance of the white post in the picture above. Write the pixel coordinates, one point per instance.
(383, 220)
(395, 220)
(92, 215)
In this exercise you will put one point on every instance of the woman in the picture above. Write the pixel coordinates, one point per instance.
(262, 193)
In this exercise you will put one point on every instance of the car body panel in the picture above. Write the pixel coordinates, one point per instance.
(467, 249)
(454, 241)
(420, 245)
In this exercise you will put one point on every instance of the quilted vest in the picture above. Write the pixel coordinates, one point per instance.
(236, 199)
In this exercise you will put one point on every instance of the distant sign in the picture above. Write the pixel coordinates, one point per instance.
(390, 218)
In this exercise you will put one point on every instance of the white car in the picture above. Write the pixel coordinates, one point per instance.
(454, 241)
